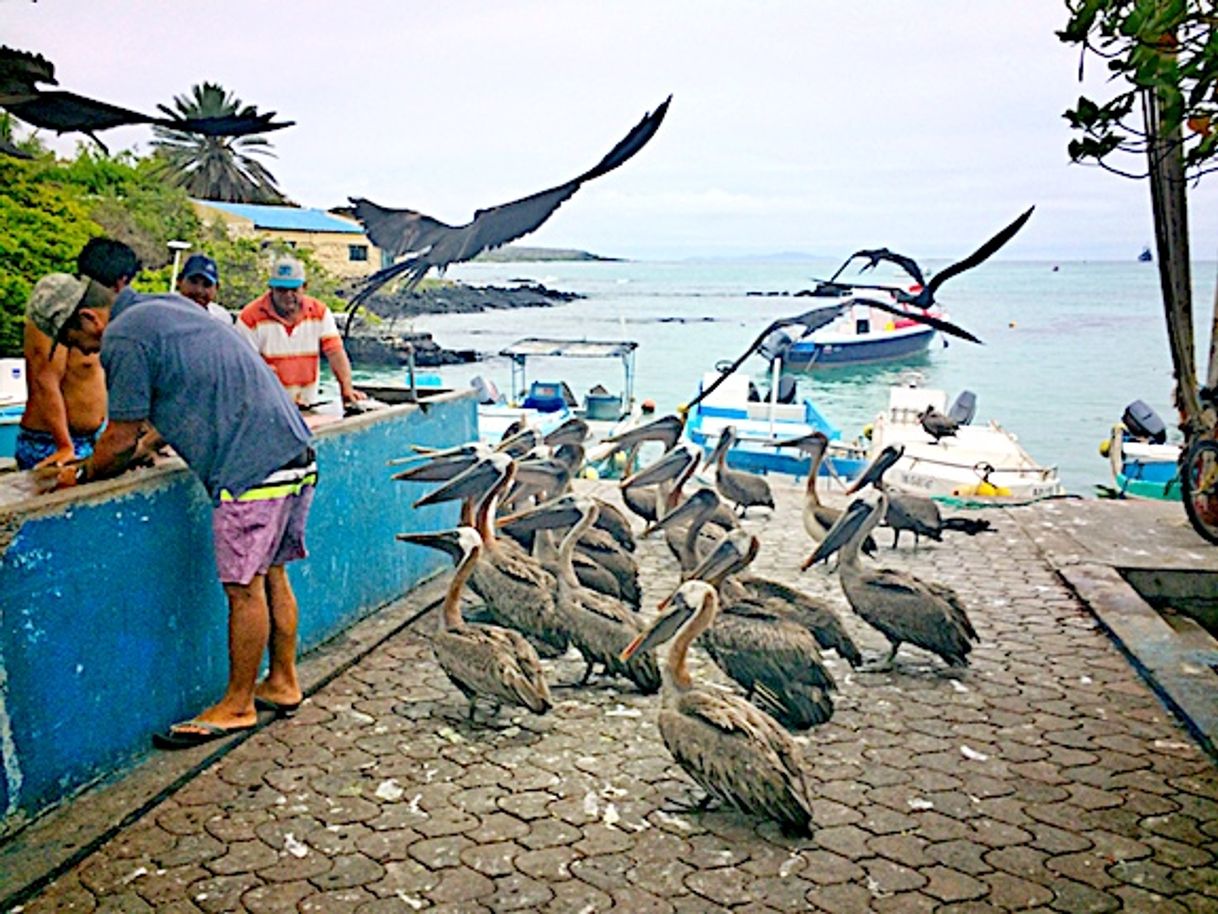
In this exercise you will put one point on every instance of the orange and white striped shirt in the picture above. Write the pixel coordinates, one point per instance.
(293, 350)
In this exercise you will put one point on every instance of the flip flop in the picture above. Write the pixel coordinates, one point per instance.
(174, 738)
(280, 709)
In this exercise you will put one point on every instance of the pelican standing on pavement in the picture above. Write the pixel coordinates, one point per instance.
(598, 626)
(482, 661)
(903, 608)
(737, 753)
(744, 490)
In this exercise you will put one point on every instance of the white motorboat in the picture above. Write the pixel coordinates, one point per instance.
(978, 462)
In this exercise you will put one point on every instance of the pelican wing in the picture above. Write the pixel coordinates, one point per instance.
(738, 754)
(811, 613)
(494, 663)
(760, 647)
(903, 606)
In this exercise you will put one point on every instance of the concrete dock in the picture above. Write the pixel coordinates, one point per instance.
(1067, 769)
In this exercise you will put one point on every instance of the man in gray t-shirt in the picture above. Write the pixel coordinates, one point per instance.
(215, 401)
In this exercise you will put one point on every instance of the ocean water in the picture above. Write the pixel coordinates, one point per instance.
(1067, 345)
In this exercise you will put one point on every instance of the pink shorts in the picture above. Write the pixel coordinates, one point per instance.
(251, 536)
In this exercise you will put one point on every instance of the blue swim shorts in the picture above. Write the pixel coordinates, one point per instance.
(34, 447)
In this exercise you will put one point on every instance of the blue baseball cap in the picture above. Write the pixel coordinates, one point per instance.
(201, 265)
(287, 273)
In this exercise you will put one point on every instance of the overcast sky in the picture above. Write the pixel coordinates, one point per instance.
(796, 126)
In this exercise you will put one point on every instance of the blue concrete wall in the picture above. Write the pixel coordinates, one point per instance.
(113, 623)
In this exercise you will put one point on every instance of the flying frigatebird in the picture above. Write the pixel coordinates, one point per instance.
(816, 318)
(426, 242)
(67, 112)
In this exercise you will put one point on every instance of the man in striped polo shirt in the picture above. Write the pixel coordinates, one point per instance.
(290, 329)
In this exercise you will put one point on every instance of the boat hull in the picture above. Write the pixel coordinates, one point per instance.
(864, 349)
(1147, 471)
(984, 463)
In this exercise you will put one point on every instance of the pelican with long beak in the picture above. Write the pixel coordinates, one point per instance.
(907, 511)
(482, 661)
(737, 753)
(774, 658)
(744, 490)
(903, 608)
(696, 545)
(598, 626)
(667, 431)
(518, 592)
(817, 517)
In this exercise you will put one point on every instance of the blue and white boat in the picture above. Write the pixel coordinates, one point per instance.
(861, 335)
(761, 424)
(12, 403)
(1143, 464)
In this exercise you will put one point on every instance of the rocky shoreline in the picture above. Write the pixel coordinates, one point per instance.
(380, 342)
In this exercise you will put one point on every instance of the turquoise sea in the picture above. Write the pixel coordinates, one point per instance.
(1067, 345)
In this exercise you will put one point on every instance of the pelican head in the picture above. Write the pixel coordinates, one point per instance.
(676, 464)
(874, 474)
(692, 599)
(734, 551)
(475, 481)
(812, 443)
(727, 438)
(703, 500)
(521, 443)
(666, 429)
(461, 543)
(573, 431)
(557, 512)
(853, 519)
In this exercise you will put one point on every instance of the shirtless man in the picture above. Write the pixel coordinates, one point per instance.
(66, 403)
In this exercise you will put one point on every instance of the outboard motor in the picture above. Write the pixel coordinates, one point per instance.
(1143, 422)
(963, 408)
(786, 389)
(487, 393)
(775, 345)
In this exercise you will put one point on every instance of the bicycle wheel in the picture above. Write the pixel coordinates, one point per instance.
(1199, 488)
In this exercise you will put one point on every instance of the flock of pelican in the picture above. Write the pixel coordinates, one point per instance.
(555, 570)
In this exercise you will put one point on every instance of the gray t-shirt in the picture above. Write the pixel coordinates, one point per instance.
(209, 394)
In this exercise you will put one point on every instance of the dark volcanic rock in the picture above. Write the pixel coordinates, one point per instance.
(381, 343)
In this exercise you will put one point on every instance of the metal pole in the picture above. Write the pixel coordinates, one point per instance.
(177, 247)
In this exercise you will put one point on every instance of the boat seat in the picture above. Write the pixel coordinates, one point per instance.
(963, 408)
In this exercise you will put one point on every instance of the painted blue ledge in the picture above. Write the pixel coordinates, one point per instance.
(112, 621)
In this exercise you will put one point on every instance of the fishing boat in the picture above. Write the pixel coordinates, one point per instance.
(1145, 256)
(977, 463)
(861, 335)
(12, 403)
(1143, 464)
(761, 422)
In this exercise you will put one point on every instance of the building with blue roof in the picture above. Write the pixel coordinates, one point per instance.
(336, 242)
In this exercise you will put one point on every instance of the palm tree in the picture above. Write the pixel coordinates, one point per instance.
(215, 167)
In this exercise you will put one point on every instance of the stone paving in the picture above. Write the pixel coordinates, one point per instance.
(1047, 776)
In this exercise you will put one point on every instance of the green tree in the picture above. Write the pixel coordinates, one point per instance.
(215, 168)
(1161, 107)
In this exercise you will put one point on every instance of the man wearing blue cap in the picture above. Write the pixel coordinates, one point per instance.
(200, 282)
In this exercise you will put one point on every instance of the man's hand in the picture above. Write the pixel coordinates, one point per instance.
(354, 394)
(51, 477)
(64, 455)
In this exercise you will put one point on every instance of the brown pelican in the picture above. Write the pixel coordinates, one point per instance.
(906, 511)
(817, 517)
(903, 608)
(667, 431)
(482, 661)
(937, 425)
(736, 589)
(423, 242)
(517, 590)
(599, 627)
(737, 753)
(744, 490)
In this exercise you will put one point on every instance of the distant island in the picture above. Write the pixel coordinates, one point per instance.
(513, 253)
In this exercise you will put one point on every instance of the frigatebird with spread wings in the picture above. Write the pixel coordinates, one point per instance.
(67, 112)
(813, 320)
(426, 242)
(924, 295)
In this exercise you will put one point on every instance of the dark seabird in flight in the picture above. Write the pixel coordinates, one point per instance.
(425, 242)
(67, 112)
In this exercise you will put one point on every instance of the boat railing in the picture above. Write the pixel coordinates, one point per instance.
(1043, 472)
